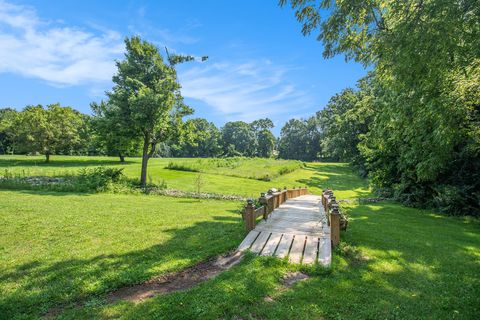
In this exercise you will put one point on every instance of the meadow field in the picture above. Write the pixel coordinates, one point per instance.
(65, 251)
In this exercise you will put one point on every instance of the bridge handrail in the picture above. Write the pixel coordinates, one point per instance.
(269, 201)
(331, 207)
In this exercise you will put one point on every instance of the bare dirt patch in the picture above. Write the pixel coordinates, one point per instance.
(175, 281)
(291, 278)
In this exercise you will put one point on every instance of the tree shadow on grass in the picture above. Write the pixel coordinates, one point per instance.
(339, 177)
(420, 268)
(60, 163)
(40, 286)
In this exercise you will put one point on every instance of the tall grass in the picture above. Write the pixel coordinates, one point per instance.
(251, 168)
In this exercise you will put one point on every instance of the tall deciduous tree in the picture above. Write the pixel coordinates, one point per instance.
(48, 130)
(146, 97)
(116, 137)
(424, 144)
(264, 139)
(200, 139)
(300, 139)
(238, 139)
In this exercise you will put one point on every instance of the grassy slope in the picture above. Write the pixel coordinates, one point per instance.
(315, 175)
(57, 248)
(395, 262)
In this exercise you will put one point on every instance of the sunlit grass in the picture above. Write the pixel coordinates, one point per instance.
(57, 248)
(60, 249)
(316, 176)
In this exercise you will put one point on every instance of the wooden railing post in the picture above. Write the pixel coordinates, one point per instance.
(263, 201)
(250, 215)
(335, 224)
(270, 202)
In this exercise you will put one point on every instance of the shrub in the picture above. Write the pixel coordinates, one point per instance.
(181, 167)
(98, 179)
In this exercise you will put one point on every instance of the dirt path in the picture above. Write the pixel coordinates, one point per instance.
(176, 281)
(168, 283)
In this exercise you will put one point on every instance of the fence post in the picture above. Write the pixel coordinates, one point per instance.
(250, 215)
(270, 202)
(335, 224)
(263, 201)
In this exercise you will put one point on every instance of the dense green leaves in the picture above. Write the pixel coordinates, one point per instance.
(145, 102)
(300, 139)
(46, 130)
(420, 138)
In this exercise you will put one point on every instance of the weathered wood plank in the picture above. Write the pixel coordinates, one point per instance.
(296, 252)
(324, 251)
(284, 246)
(260, 242)
(271, 244)
(296, 229)
(317, 233)
(247, 242)
(310, 252)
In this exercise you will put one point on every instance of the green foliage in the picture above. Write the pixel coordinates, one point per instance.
(116, 137)
(238, 139)
(300, 139)
(98, 179)
(145, 100)
(423, 139)
(49, 130)
(9, 134)
(199, 138)
(182, 167)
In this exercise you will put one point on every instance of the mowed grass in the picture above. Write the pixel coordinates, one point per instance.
(314, 175)
(59, 248)
(66, 250)
(393, 263)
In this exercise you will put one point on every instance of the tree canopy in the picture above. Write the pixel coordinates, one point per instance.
(421, 140)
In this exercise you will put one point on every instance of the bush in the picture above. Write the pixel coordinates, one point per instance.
(98, 179)
(181, 167)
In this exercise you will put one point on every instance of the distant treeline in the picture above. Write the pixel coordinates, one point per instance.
(54, 129)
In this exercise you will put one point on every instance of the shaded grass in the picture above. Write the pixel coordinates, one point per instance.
(394, 263)
(59, 248)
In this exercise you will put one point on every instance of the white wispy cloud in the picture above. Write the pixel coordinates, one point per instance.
(67, 55)
(245, 91)
(55, 53)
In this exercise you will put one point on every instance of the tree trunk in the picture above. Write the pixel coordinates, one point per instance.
(145, 157)
(47, 156)
(122, 157)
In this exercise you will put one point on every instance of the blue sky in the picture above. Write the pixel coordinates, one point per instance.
(259, 63)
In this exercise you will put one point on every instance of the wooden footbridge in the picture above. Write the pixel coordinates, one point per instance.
(295, 224)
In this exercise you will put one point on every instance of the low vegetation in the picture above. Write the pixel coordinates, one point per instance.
(249, 176)
(250, 168)
(413, 263)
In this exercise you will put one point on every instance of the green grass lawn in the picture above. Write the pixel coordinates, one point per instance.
(57, 248)
(394, 263)
(314, 175)
(68, 250)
